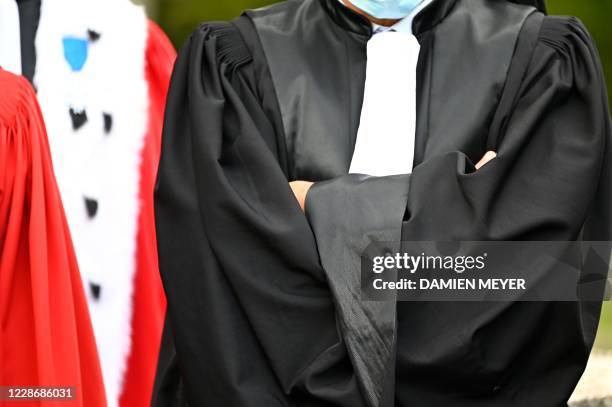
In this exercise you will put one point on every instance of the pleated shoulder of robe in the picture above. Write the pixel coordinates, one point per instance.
(264, 305)
(46, 337)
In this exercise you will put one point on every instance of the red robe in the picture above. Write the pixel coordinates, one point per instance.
(46, 337)
(149, 305)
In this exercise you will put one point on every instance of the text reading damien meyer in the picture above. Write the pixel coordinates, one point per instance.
(458, 265)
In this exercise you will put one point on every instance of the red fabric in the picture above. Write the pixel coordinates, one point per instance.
(46, 338)
(149, 300)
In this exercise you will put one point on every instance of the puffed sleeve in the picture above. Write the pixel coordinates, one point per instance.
(252, 318)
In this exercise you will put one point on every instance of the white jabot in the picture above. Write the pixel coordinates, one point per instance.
(385, 138)
(10, 38)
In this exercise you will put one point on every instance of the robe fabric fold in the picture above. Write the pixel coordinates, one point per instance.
(263, 301)
(46, 337)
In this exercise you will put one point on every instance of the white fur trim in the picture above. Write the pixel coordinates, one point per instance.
(90, 163)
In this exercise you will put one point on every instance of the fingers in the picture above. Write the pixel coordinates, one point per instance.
(300, 190)
(489, 155)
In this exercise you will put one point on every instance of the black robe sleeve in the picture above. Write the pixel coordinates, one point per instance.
(251, 314)
(552, 170)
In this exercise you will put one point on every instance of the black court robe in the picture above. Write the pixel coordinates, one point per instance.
(263, 300)
(29, 16)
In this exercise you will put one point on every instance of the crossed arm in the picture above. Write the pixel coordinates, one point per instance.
(300, 188)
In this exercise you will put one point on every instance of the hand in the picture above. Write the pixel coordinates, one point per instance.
(489, 155)
(300, 190)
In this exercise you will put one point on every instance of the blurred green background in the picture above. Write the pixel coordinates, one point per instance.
(179, 17)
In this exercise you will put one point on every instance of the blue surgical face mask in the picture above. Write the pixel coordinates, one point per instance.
(387, 9)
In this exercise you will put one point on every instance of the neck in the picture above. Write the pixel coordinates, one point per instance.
(386, 22)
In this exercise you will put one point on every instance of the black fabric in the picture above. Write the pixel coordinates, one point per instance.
(257, 281)
(29, 16)
(78, 118)
(168, 388)
(91, 205)
(257, 318)
(368, 327)
(95, 290)
(525, 47)
(93, 35)
(550, 181)
(107, 118)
